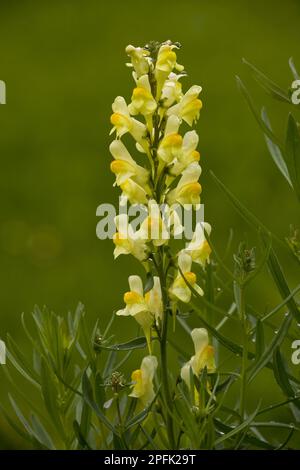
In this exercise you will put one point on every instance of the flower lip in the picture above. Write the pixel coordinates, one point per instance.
(190, 277)
(132, 298)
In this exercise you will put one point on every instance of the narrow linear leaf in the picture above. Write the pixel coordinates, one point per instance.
(261, 123)
(293, 69)
(259, 340)
(138, 418)
(281, 373)
(241, 209)
(268, 85)
(292, 153)
(274, 150)
(248, 438)
(267, 355)
(88, 396)
(237, 429)
(137, 343)
(281, 283)
(41, 433)
(81, 440)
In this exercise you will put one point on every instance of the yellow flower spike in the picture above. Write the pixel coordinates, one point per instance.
(139, 59)
(127, 241)
(179, 290)
(188, 189)
(203, 357)
(124, 167)
(189, 107)
(199, 248)
(143, 388)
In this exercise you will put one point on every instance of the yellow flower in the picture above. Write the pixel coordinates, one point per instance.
(166, 62)
(123, 122)
(139, 59)
(153, 227)
(137, 307)
(154, 300)
(127, 241)
(143, 380)
(199, 248)
(142, 100)
(145, 309)
(170, 146)
(188, 153)
(204, 356)
(135, 193)
(124, 166)
(179, 289)
(188, 189)
(172, 90)
(189, 107)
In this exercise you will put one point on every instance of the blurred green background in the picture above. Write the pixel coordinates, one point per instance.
(63, 63)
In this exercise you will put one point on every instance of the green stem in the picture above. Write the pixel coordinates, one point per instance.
(163, 353)
(244, 355)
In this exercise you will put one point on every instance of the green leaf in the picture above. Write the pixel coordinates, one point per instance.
(50, 395)
(237, 429)
(241, 209)
(261, 123)
(85, 420)
(248, 438)
(81, 440)
(292, 153)
(110, 362)
(259, 340)
(149, 283)
(293, 68)
(24, 422)
(267, 355)
(15, 427)
(137, 343)
(99, 389)
(184, 410)
(281, 283)
(138, 418)
(268, 85)
(281, 373)
(41, 433)
(88, 397)
(20, 362)
(274, 150)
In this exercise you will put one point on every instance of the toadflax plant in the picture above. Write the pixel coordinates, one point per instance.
(83, 391)
(170, 177)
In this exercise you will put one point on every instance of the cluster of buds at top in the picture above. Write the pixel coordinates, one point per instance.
(167, 173)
